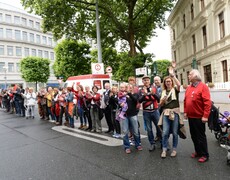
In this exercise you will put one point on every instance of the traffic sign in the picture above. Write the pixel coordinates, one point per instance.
(97, 68)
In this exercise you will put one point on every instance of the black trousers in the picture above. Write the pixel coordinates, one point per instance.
(107, 112)
(116, 123)
(197, 131)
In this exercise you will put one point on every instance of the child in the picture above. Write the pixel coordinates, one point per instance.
(122, 102)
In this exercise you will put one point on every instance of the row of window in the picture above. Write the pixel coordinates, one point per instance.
(19, 21)
(25, 36)
(9, 67)
(17, 51)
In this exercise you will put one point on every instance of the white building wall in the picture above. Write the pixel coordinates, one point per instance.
(46, 48)
(217, 49)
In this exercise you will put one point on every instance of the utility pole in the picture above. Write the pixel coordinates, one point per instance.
(99, 53)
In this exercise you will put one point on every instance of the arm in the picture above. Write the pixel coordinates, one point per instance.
(207, 103)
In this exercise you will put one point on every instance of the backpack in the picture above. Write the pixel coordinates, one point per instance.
(213, 119)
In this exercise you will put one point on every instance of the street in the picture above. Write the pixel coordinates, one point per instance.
(31, 149)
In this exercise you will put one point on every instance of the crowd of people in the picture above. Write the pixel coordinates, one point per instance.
(159, 102)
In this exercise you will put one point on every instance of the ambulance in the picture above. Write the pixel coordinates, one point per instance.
(90, 80)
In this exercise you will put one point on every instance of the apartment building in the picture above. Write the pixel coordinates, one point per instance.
(21, 36)
(200, 38)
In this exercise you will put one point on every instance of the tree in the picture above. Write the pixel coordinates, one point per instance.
(131, 21)
(109, 58)
(162, 67)
(35, 69)
(72, 58)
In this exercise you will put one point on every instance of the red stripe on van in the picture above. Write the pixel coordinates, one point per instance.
(89, 76)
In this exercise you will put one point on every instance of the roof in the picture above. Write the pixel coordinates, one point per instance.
(89, 76)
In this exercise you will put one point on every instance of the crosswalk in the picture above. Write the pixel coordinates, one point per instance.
(99, 138)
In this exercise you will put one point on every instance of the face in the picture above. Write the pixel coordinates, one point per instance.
(132, 81)
(146, 81)
(122, 88)
(168, 83)
(107, 86)
(94, 89)
(87, 89)
(157, 81)
(114, 90)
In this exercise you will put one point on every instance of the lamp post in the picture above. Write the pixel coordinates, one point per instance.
(5, 68)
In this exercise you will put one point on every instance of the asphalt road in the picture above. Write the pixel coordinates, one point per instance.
(31, 149)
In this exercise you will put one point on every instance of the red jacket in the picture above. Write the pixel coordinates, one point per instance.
(197, 101)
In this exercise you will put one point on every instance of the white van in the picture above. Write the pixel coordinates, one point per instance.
(90, 80)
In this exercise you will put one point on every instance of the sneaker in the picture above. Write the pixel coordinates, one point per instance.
(194, 155)
(203, 159)
(163, 154)
(152, 147)
(173, 154)
(139, 148)
(127, 151)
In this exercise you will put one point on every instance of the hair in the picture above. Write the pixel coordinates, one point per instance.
(157, 77)
(163, 84)
(81, 87)
(131, 78)
(196, 74)
(95, 87)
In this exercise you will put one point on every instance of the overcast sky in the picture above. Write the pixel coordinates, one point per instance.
(160, 45)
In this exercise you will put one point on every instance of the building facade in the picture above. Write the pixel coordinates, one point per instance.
(200, 38)
(21, 36)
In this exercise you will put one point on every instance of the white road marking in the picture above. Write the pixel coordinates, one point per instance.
(95, 137)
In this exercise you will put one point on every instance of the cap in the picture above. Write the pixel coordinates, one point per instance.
(144, 77)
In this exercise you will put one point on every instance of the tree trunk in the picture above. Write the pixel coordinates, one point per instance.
(36, 88)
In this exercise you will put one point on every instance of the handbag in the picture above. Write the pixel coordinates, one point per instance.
(182, 132)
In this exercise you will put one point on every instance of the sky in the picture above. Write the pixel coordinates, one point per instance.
(159, 45)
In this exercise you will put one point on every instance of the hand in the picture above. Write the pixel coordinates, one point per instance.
(185, 116)
(204, 120)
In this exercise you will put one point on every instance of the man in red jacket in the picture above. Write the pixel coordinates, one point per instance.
(197, 105)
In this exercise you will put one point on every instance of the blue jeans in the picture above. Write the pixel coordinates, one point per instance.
(81, 115)
(150, 117)
(130, 122)
(170, 126)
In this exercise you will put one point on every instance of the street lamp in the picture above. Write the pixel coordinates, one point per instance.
(5, 68)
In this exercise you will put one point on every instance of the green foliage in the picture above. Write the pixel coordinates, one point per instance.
(72, 58)
(131, 21)
(162, 67)
(35, 69)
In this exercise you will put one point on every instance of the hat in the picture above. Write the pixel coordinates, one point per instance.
(144, 77)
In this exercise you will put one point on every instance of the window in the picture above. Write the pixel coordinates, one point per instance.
(174, 34)
(1, 17)
(16, 20)
(10, 67)
(1, 50)
(33, 52)
(10, 50)
(204, 36)
(221, 25)
(50, 41)
(184, 21)
(38, 25)
(8, 18)
(9, 33)
(24, 22)
(1, 32)
(26, 52)
(38, 39)
(44, 40)
(2, 65)
(225, 70)
(18, 51)
(17, 35)
(194, 43)
(202, 5)
(24, 36)
(31, 23)
(174, 54)
(31, 37)
(40, 53)
(51, 55)
(207, 73)
(46, 54)
(192, 12)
